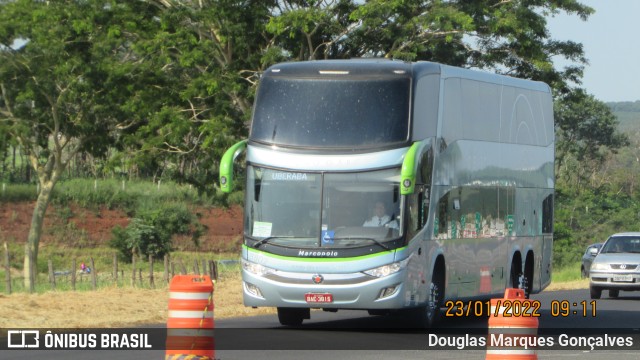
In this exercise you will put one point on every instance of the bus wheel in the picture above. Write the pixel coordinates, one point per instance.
(293, 316)
(427, 316)
(514, 275)
(432, 310)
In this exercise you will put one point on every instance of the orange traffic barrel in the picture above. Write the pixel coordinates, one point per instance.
(485, 280)
(190, 324)
(513, 328)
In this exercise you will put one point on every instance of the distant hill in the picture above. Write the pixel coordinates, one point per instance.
(628, 113)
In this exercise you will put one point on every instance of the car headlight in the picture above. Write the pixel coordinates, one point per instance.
(256, 269)
(599, 266)
(386, 270)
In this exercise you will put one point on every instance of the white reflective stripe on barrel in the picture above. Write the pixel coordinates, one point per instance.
(184, 314)
(189, 295)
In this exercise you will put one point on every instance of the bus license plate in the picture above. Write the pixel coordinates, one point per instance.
(318, 298)
(623, 278)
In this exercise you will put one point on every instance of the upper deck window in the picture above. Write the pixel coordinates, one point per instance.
(334, 112)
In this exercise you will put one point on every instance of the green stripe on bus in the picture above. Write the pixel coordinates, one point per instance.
(327, 259)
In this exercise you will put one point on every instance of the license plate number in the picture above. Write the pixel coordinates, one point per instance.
(318, 298)
(622, 278)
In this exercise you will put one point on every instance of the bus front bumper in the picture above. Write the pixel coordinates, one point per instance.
(329, 291)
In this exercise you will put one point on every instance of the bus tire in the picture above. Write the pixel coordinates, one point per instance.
(515, 273)
(527, 280)
(432, 310)
(429, 315)
(292, 316)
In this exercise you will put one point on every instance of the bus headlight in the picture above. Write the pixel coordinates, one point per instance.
(386, 270)
(256, 269)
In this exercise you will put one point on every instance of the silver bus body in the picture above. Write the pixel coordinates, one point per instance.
(479, 220)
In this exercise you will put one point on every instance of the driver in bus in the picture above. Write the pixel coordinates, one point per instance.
(380, 218)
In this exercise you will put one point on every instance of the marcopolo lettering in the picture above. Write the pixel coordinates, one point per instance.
(317, 253)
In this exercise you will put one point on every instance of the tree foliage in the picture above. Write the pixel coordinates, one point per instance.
(587, 134)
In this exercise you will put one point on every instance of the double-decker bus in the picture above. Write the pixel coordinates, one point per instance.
(456, 165)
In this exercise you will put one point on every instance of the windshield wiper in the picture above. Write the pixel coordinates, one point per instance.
(269, 238)
(363, 238)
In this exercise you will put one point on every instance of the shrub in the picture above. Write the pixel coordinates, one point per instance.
(140, 238)
(151, 231)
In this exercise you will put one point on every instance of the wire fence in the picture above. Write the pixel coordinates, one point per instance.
(74, 275)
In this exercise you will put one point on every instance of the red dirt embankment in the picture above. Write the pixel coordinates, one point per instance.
(75, 226)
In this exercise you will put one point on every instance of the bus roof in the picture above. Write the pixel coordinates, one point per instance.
(377, 66)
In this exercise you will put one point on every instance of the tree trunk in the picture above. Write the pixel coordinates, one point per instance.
(35, 232)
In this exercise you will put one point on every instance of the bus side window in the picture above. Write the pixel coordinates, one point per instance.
(412, 226)
(423, 206)
(547, 215)
(443, 217)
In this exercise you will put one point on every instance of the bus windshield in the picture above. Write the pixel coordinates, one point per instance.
(311, 210)
(332, 113)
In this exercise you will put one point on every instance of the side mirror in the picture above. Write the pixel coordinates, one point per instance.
(593, 251)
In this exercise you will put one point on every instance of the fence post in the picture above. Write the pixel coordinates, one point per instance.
(52, 276)
(215, 270)
(196, 269)
(7, 267)
(94, 274)
(133, 272)
(115, 268)
(73, 274)
(166, 268)
(151, 283)
(182, 267)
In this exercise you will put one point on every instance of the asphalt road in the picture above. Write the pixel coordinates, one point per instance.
(355, 335)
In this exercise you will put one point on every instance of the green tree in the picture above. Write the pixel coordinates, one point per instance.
(206, 56)
(509, 37)
(587, 134)
(65, 66)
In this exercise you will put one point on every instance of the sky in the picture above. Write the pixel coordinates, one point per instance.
(611, 41)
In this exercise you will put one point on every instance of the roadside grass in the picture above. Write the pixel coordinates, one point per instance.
(115, 305)
(567, 278)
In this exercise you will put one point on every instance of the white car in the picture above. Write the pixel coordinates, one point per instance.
(617, 266)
